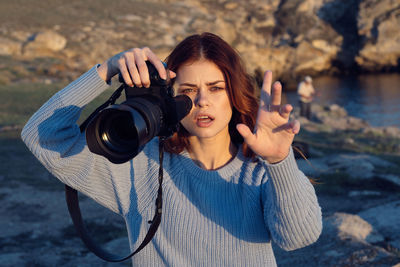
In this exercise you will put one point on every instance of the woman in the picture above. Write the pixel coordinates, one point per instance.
(231, 184)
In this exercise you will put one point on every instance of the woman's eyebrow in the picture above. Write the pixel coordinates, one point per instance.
(215, 82)
(208, 84)
(187, 84)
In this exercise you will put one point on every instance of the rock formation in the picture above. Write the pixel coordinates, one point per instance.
(292, 38)
(378, 28)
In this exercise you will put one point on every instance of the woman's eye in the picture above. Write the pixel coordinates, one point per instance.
(186, 90)
(217, 88)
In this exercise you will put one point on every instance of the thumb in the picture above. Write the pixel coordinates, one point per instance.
(172, 74)
(246, 133)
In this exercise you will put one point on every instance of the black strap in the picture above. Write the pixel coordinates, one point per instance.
(71, 196)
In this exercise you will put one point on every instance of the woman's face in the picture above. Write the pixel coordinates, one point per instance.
(204, 83)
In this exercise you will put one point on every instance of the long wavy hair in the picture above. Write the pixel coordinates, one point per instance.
(239, 84)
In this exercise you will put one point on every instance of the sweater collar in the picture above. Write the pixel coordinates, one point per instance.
(225, 172)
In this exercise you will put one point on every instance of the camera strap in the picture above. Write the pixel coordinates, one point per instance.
(71, 196)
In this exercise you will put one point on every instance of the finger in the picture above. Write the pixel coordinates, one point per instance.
(292, 127)
(246, 133)
(124, 71)
(130, 61)
(295, 126)
(285, 110)
(276, 94)
(140, 61)
(157, 63)
(172, 74)
(266, 89)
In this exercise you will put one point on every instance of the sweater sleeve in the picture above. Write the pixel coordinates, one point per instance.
(291, 208)
(53, 136)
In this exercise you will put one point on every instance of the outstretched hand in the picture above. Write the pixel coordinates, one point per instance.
(273, 133)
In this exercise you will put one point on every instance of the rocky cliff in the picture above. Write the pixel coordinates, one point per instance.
(292, 38)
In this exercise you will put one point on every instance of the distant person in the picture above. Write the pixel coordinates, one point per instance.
(306, 93)
(232, 185)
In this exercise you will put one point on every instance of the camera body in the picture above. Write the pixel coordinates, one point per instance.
(120, 131)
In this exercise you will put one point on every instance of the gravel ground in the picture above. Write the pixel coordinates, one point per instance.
(36, 230)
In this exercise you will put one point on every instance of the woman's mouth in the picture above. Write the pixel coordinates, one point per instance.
(204, 120)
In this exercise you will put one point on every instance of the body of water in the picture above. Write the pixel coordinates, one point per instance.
(374, 98)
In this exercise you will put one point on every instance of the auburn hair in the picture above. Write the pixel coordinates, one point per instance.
(239, 84)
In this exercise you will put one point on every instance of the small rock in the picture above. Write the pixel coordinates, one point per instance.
(87, 29)
(392, 131)
(231, 5)
(47, 81)
(349, 141)
(136, 18)
(44, 42)
(350, 226)
(338, 110)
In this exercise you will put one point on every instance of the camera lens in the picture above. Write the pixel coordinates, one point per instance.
(118, 132)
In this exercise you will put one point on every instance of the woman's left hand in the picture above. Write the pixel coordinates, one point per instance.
(273, 133)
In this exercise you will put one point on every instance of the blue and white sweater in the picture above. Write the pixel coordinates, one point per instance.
(224, 217)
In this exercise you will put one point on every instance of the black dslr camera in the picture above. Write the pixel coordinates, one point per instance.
(119, 132)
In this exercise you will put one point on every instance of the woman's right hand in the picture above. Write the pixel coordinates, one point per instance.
(132, 66)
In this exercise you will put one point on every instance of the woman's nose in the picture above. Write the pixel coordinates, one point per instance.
(202, 98)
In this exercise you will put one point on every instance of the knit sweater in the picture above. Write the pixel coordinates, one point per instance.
(223, 217)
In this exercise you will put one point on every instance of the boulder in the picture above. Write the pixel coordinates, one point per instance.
(348, 226)
(44, 43)
(385, 219)
(389, 131)
(356, 165)
(314, 42)
(335, 118)
(378, 27)
(314, 57)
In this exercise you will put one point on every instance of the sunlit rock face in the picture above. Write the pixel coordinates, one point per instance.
(378, 28)
(291, 38)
